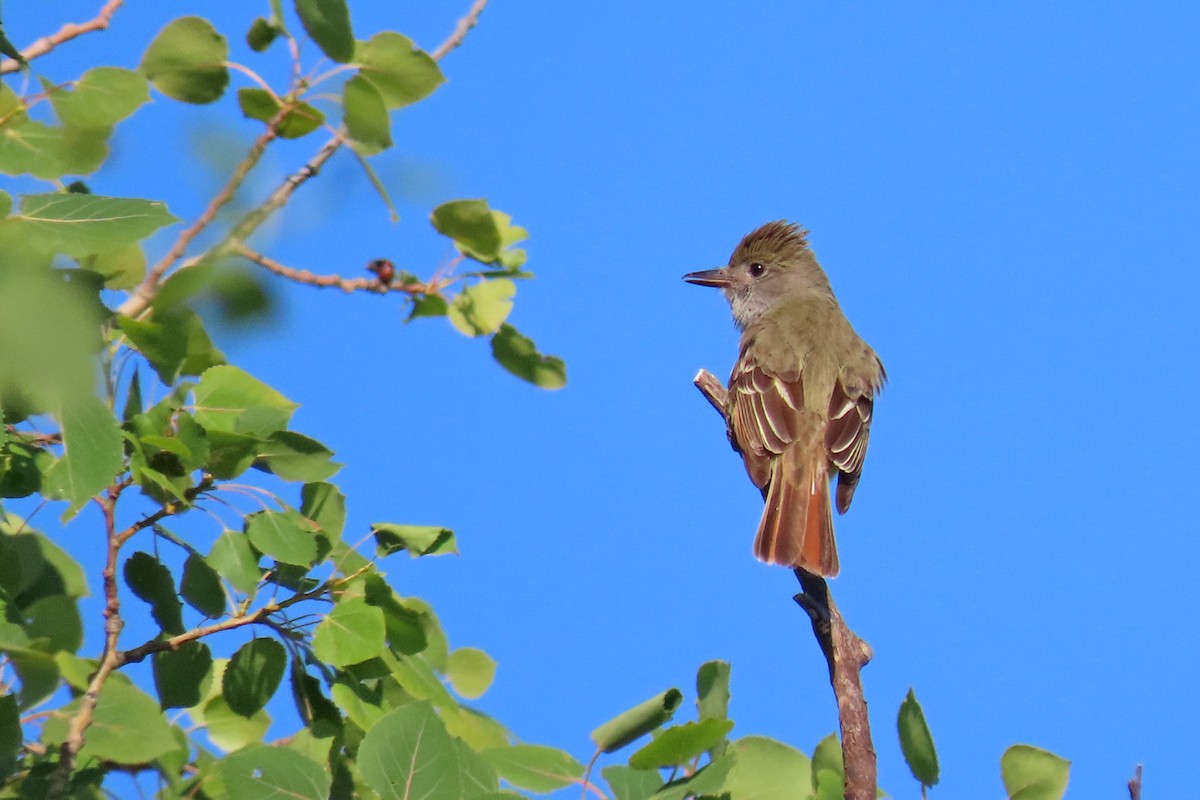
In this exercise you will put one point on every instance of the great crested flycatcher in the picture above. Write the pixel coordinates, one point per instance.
(800, 396)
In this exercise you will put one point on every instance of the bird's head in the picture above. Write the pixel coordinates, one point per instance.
(769, 264)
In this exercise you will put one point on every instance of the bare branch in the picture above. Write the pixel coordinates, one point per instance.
(460, 31)
(712, 389)
(66, 33)
(1135, 784)
(846, 654)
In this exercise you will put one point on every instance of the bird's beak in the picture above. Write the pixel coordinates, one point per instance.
(709, 277)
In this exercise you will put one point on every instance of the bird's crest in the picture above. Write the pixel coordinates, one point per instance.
(776, 241)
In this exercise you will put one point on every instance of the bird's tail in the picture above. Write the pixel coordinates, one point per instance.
(796, 529)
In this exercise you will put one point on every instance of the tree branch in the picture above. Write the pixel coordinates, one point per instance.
(335, 281)
(845, 653)
(140, 299)
(460, 31)
(109, 660)
(66, 33)
(1135, 784)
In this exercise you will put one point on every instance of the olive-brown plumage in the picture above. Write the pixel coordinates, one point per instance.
(801, 394)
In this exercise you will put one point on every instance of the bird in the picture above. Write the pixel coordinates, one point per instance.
(801, 396)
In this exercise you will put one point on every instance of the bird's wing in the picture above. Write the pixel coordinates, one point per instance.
(850, 409)
(766, 414)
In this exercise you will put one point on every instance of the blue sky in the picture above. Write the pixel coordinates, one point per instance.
(1004, 196)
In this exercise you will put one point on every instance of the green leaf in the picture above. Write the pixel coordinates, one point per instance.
(916, 741)
(102, 97)
(55, 619)
(11, 738)
(479, 731)
(122, 268)
(418, 540)
(230, 454)
(767, 770)
(9, 49)
(228, 729)
(295, 457)
(417, 677)
(712, 690)
(409, 754)
(352, 632)
(1031, 773)
(253, 675)
(429, 305)
(361, 705)
(366, 117)
(232, 557)
(261, 34)
(151, 581)
(38, 673)
(326, 506)
(327, 22)
(517, 354)
(470, 671)
(471, 225)
(401, 72)
(482, 307)
(828, 756)
(284, 536)
(6, 204)
(300, 120)
(229, 399)
(201, 588)
(681, 743)
(186, 61)
(50, 152)
(83, 224)
(631, 784)
(179, 674)
(93, 457)
(316, 710)
(707, 781)
(183, 285)
(534, 767)
(261, 771)
(127, 727)
(637, 721)
(32, 567)
(174, 341)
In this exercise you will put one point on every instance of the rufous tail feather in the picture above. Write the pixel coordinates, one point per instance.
(796, 529)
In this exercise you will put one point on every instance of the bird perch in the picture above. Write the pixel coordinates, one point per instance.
(845, 653)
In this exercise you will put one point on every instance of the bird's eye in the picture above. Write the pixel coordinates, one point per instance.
(756, 269)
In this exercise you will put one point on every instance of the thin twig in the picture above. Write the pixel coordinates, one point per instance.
(845, 653)
(66, 33)
(334, 281)
(1135, 784)
(140, 299)
(139, 653)
(460, 31)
